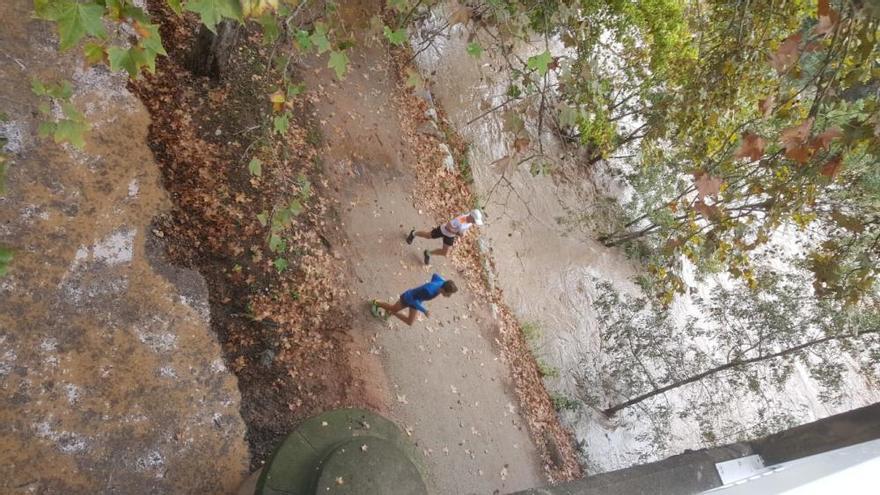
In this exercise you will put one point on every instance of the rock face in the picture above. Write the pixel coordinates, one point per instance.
(111, 380)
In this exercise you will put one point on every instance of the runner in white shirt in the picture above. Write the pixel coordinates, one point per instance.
(448, 231)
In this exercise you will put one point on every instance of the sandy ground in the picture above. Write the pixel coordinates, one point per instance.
(448, 386)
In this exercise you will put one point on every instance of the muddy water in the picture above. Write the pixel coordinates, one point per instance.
(111, 380)
(546, 256)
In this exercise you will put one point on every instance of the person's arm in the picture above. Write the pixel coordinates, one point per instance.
(456, 223)
(419, 307)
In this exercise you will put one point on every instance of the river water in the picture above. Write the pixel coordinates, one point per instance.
(540, 233)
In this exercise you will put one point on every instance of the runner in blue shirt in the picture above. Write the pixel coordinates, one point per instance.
(414, 298)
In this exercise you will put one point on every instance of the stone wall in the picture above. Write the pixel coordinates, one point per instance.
(111, 380)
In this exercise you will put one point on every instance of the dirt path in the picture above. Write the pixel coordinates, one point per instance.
(447, 382)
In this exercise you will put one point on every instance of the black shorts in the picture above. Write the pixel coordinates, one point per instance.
(436, 234)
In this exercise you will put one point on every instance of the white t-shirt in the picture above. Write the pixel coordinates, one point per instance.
(456, 226)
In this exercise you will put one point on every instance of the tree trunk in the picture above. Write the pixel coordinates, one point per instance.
(611, 240)
(210, 55)
(736, 363)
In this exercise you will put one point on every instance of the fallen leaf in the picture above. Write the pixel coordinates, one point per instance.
(794, 139)
(800, 154)
(521, 144)
(766, 105)
(278, 99)
(461, 16)
(825, 25)
(832, 168)
(503, 163)
(796, 134)
(787, 54)
(707, 185)
(709, 212)
(852, 224)
(828, 18)
(825, 138)
(414, 79)
(752, 147)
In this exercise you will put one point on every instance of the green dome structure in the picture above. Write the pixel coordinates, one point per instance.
(345, 451)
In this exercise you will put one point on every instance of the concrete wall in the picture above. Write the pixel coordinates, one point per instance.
(694, 471)
(834, 432)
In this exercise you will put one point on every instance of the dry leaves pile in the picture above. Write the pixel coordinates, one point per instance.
(279, 331)
(445, 194)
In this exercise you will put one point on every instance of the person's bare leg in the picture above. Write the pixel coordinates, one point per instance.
(410, 317)
(442, 251)
(391, 309)
(394, 309)
(424, 234)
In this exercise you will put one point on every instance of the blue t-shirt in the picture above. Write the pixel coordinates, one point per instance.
(415, 297)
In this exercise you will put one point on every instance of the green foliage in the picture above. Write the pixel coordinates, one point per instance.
(255, 167)
(547, 370)
(80, 20)
(338, 62)
(271, 32)
(277, 243)
(3, 158)
(305, 188)
(539, 168)
(175, 6)
(564, 403)
(280, 264)
(72, 126)
(5, 260)
(414, 79)
(730, 145)
(398, 5)
(303, 40)
(540, 63)
(94, 53)
(464, 168)
(74, 19)
(318, 38)
(211, 12)
(294, 90)
(474, 49)
(281, 219)
(281, 123)
(62, 90)
(396, 37)
(531, 331)
(130, 60)
(314, 136)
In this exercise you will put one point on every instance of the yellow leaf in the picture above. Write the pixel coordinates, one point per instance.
(253, 8)
(278, 99)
